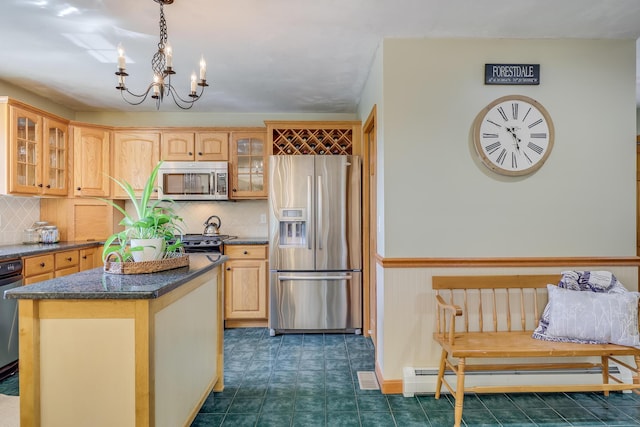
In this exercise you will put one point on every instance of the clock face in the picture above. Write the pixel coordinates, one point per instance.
(513, 135)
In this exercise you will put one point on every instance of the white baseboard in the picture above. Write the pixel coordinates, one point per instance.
(423, 380)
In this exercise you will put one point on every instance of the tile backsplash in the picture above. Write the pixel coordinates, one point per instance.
(16, 214)
(241, 218)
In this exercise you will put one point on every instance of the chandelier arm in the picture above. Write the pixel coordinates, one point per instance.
(144, 95)
(182, 103)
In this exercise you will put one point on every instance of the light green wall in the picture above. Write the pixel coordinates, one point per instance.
(7, 89)
(197, 118)
(440, 201)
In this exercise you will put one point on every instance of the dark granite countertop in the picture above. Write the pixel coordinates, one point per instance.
(19, 250)
(96, 284)
(243, 240)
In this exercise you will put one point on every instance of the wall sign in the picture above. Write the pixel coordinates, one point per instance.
(511, 74)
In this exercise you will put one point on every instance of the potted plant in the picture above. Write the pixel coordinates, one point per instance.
(150, 230)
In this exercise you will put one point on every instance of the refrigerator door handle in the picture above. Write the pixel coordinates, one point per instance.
(319, 217)
(294, 277)
(309, 206)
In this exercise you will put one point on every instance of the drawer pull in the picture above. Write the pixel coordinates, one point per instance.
(69, 259)
(42, 264)
(84, 257)
(246, 252)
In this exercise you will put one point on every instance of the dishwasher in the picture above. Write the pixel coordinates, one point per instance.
(10, 277)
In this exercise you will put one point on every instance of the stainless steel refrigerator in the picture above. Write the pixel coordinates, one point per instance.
(315, 239)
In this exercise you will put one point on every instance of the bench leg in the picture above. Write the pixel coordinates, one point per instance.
(636, 377)
(605, 373)
(443, 360)
(459, 393)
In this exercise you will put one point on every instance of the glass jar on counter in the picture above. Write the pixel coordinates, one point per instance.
(30, 236)
(49, 234)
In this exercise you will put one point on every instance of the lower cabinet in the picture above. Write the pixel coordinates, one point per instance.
(60, 263)
(245, 286)
(38, 268)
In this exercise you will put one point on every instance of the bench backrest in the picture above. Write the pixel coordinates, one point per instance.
(494, 303)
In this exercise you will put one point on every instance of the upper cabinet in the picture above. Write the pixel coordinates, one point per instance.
(134, 156)
(90, 161)
(195, 146)
(314, 138)
(37, 154)
(249, 159)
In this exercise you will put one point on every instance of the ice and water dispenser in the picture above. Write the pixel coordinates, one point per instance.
(293, 227)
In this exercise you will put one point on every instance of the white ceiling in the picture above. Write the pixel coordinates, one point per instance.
(269, 56)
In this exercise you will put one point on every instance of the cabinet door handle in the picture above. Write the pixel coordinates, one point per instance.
(40, 185)
(228, 268)
(78, 189)
(190, 153)
(48, 186)
(84, 257)
(199, 153)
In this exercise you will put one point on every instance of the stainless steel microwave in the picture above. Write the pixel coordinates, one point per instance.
(194, 180)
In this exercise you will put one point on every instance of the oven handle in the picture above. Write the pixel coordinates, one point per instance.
(343, 277)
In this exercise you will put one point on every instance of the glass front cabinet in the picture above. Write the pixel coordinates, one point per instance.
(248, 165)
(38, 153)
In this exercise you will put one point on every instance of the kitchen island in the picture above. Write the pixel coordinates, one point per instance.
(109, 350)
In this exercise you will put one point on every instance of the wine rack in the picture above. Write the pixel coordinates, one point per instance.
(312, 141)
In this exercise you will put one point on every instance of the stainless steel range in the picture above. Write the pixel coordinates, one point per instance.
(199, 243)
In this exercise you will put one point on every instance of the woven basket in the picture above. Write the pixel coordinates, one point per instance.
(118, 267)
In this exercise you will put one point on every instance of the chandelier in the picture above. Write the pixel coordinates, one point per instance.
(162, 66)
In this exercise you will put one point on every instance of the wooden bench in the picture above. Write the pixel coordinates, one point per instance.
(493, 317)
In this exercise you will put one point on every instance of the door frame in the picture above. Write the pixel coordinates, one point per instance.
(369, 213)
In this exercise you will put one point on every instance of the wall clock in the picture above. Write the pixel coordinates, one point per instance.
(513, 135)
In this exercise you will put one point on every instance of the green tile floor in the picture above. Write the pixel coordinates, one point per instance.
(311, 380)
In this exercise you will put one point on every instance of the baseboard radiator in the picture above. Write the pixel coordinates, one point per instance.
(423, 380)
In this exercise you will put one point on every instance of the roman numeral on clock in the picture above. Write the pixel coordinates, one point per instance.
(536, 123)
(502, 156)
(489, 135)
(501, 111)
(491, 148)
(538, 135)
(514, 161)
(534, 147)
(514, 111)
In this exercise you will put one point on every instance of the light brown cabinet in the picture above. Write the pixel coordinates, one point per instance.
(249, 160)
(195, 146)
(91, 161)
(66, 262)
(134, 156)
(60, 263)
(90, 258)
(245, 285)
(38, 268)
(81, 220)
(38, 153)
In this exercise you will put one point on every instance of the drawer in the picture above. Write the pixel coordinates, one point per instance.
(246, 251)
(38, 265)
(66, 259)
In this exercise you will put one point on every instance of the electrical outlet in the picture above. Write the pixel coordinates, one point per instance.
(263, 218)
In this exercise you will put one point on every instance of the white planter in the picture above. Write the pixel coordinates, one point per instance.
(153, 249)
